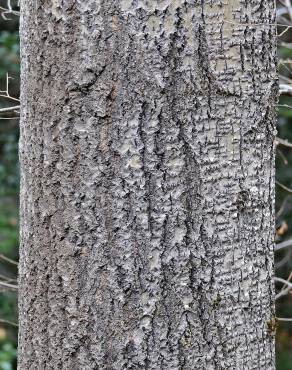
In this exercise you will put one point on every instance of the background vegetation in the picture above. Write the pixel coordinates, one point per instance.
(9, 180)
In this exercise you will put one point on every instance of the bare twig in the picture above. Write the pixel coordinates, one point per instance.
(282, 208)
(8, 286)
(283, 291)
(285, 44)
(284, 106)
(289, 8)
(10, 109)
(284, 187)
(285, 61)
(288, 280)
(283, 245)
(8, 10)
(8, 118)
(7, 279)
(8, 322)
(285, 89)
(5, 93)
(9, 260)
(284, 159)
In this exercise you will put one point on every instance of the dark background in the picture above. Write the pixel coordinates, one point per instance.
(9, 187)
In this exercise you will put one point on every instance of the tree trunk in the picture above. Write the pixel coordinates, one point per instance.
(147, 187)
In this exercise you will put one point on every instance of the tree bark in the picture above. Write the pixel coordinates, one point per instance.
(147, 184)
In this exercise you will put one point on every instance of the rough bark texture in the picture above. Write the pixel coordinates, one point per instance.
(147, 184)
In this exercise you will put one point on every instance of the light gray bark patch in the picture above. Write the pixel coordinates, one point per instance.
(147, 185)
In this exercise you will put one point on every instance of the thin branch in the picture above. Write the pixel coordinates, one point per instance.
(8, 10)
(285, 89)
(9, 109)
(283, 142)
(283, 245)
(7, 279)
(284, 106)
(8, 97)
(284, 159)
(281, 11)
(285, 44)
(9, 260)
(8, 286)
(9, 118)
(285, 31)
(5, 93)
(289, 8)
(288, 280)
(286, 79)
(282, 208)
(285, 61)
(284, 291)
(8, 322)
(284, 187)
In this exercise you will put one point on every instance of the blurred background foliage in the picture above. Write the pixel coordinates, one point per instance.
(9, 185)
(9, 189)
(283, 257)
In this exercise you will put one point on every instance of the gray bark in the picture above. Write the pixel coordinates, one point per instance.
(147, 186)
